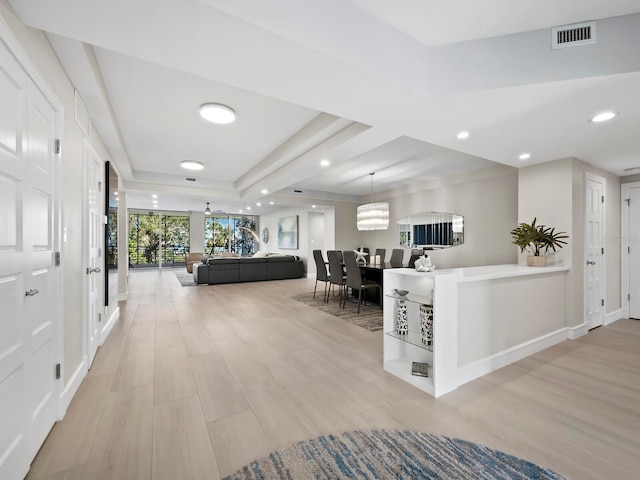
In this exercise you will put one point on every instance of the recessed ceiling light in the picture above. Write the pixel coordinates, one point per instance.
(248, 208)
(462, 135)
(115, 193)
(258, 204)
(603, 117)
(192, 165)
(264, 191)
(270, 203)
(324, 162)
(240, 211)
(217, 113)
(313, 206)
(154, 196)
(524, 156)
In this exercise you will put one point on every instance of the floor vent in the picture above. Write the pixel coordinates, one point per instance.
(573, 35)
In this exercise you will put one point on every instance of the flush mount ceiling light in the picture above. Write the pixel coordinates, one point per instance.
(192, 165)
(373, 216)
(603, 117)
(463, 135)
(324, 162)
(524, 156)
(217, 113)
(264, 191)
(207, 211)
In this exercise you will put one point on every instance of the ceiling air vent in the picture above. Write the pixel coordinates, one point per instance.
(190, 179)
(297, 190)
(573, 35)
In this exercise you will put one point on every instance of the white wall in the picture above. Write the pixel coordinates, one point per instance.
(488, 202)
(39, 50)
(196, 232)
(554, 193)
(316, 238)
(270, 221)
(527, 58)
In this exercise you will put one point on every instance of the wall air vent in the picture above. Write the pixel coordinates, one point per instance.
(573, 35)
(190, 179)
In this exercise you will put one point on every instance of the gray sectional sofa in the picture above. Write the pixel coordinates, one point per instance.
(247, 269)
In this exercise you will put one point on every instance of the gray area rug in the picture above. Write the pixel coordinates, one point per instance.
(370, 315)
(390, 455)
(186, 279)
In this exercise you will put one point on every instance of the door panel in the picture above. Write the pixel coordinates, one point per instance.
(41, 359)
(13, 264)
(634, 252)
(12, 434)
(95, 279)
(28, 287)
(593, 252)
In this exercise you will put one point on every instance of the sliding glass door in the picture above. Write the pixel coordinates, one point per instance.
(230, 233)
(158, 239)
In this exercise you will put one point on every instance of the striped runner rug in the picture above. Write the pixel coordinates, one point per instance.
(382, 454)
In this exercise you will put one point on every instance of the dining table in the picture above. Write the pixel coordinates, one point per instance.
(374, 273)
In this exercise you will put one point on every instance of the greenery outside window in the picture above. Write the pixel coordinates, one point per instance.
(230, 233)
(148, 229)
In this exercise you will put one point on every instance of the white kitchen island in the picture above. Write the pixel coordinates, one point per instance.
(484, 318)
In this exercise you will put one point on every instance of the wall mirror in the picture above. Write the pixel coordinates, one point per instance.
(431, 230)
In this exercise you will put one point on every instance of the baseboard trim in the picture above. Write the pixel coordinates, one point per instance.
(578, 331)
(108, 326)
(614, 316)
(72, 387)
(496, 361)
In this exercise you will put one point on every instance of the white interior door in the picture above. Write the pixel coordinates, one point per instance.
(594, 294)
(94, 277)
(28, 286)
(634, 251)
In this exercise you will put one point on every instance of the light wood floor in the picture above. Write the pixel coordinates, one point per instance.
(195, 382)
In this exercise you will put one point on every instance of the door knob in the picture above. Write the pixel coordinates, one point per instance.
(590, 262)
(93, 270)
(32, 292)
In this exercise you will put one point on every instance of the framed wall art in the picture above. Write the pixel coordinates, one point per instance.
(288, 232)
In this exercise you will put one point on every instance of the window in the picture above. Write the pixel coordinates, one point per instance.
(158, 237)
(230, 233)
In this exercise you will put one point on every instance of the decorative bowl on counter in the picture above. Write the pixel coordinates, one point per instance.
(401, 293)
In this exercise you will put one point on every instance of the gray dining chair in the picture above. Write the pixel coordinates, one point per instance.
(355, 280)
(321, 273)
(336, 273)
(396, 257)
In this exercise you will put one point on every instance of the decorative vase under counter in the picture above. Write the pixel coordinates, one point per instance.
(402, 320)
(426, 324)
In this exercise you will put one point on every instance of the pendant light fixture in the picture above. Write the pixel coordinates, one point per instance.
(373, 216)
(207, 211)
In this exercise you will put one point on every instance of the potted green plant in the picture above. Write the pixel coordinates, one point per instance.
(537, 240)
